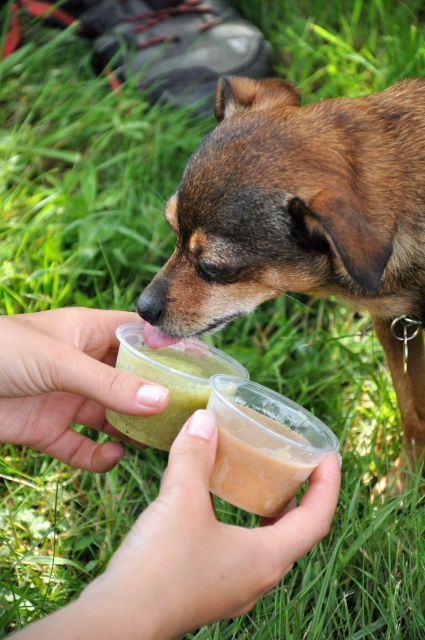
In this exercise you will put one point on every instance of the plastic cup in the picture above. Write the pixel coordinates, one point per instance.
(184, 368)
(267, 445)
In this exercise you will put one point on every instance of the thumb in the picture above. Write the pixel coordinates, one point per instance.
(192, 456)
(118, 390)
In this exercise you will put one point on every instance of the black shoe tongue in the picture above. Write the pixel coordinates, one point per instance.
(76, 7)
(157, 5)
(101, 17)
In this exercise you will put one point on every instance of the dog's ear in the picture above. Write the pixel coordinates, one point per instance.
(171, 212)
(336, 219)
(235, 95)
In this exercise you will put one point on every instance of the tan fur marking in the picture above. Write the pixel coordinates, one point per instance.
(171, 212)
(197, 241)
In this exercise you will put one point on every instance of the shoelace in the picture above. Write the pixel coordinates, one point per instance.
(40, 9)
(152, 18)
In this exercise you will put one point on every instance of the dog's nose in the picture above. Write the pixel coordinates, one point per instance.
(150, 306)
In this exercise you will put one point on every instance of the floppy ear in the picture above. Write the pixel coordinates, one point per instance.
(235, 95)
(363, 248)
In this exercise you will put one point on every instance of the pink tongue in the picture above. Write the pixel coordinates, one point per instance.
(155, 339)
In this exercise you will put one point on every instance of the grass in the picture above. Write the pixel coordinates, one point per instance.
(84, 175)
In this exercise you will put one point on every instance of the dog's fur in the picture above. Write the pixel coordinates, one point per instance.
(327, 198)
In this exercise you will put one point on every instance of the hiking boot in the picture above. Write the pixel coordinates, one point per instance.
(178, 52)
(177, 49)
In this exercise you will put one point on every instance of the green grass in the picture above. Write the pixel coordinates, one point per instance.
(84, 175)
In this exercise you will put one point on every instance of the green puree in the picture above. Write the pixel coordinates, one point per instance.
(201, 366)
(186, 396)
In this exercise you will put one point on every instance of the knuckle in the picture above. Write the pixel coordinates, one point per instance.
(266, 572)
(60, 367)
(323, 529)
(115, 382)
(273, 563)
(195, 448)
(246, 608)
(185, 498)
(322, 526)
(271, 575)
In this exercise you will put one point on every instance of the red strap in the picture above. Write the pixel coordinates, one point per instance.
(45, 10)
(13, 36)
(36, 9)
(114, 81)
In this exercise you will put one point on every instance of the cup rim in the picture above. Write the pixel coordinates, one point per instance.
(274, 395)
(138, 328)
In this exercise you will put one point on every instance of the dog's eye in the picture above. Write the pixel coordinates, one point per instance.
(210, 271)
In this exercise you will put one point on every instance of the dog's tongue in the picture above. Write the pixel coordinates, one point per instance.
(155, 339)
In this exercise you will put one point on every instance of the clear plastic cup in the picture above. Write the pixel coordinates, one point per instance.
(184, 368)
(267, 445)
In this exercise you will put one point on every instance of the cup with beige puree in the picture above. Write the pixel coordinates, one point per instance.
(184, 368)
(267, 445)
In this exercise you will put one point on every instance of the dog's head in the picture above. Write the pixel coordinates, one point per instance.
(265, 205)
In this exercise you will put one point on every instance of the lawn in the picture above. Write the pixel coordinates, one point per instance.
(84, 175)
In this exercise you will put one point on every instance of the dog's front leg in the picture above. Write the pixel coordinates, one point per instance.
(409, 387)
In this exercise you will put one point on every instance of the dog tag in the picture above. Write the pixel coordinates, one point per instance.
(405, 348)
(405, 328)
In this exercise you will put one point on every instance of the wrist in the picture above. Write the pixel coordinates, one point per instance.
(114, 610)
(100, 613)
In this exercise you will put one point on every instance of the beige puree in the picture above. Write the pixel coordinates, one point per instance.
(253, 470)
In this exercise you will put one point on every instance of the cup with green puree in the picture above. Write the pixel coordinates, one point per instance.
(184, 368)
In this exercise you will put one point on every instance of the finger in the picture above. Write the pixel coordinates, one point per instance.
(100, 328)
(266, 522)
(81, 452)
(124, 392)
(92, 414)
(192, 456)
(298, 531)
(79, 326)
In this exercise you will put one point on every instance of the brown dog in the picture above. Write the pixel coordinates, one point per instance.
(328, 198)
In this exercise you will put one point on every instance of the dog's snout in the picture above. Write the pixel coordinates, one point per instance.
(151, 306)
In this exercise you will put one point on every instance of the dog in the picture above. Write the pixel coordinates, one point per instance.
(323, 199)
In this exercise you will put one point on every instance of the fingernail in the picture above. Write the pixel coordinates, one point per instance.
(340, 459)
(150, 395)
(201, 424)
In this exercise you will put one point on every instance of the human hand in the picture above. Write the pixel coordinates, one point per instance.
(179, 568)
(55, 371)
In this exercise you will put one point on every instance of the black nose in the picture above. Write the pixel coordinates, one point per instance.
(150, 306)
